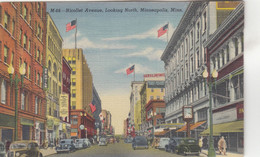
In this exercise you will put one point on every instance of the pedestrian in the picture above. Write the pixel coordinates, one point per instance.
(222, 146)
(200, 143)
(205, 143)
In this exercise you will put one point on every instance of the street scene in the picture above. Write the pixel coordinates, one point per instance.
(122, 79)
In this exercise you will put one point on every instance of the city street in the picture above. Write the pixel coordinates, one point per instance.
(117, 150)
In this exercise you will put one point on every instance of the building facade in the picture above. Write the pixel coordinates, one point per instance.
(54, 66)
(153, 88)
(134, 98)
(97, 102)
(81, 93)
(22, 44)
(185, 59)
(65, 105)
(225, 51)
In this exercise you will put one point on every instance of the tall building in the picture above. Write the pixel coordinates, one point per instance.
(225, 51)
(22, 44)
(81, 94)
(97, 102)
(134, 98)
(185, 60)
(54, 66)
(153, 88)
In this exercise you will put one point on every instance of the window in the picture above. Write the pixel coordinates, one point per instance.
(40, 106)
(25, 11)
(35, 77)
(38, 55)
(59, 76)
(38, 79)
(73, 82)
(223, 57)
(39, 8)
(6, 20)
(30, 19)
(3, 91)
(158, 97)
(29, 71)
(191, 65)
(161, 89)
(25, 41)
(13, 24)
(6, 52)
(73, 93)
(198, 31)
(205, 21)
(227, 54)
(238, 88)
(222, 90)
(29, 46)
(74, 121)
(25, 66)
(236, 46)
(49, 66)
(55, 70)
(151, 97)
(12, 58)
(74, 60)
(73, 71)
(69, 60)
(20, 36)
(22, 100)
(202, 114)
(36, 105)
(198, 59)
(191, 39)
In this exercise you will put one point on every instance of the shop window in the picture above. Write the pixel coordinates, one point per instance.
(222, 93)
(3, 91)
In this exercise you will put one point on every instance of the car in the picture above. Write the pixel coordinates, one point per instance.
(173, 143)
(2, 149)
(25, 148)
(187, 146)
(129, 140)
(81, 143)
(163, 141)
(66, 145)
(102, 142)
(88, 142)
(140, 142)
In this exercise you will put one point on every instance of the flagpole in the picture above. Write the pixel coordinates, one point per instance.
(167, 32)
(134, 72)
(76, 35)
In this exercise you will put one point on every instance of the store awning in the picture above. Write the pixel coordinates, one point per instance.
(161, 133)
(236, 126)
(192, 126)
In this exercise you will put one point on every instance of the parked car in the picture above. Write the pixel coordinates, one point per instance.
(163, 141)
(2, 149)
(81, 143)
(102, 141)
(66, 145)
(140, 142)
(173, 143)
(187, 146)
(24, 149)
(128, 140)
(88, 142)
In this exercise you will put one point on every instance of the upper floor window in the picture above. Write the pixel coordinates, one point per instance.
(36, 105)
(191, 39)
(73, 60)
(198, 31)
(158, 97)
(6, 20)
(25, 41)
(236, 46)
(25, 12)
(6, 53)
(204, 21)
(227, 53)
(151, 97)
(3, 91)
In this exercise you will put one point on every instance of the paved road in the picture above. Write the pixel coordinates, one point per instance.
(116, 150)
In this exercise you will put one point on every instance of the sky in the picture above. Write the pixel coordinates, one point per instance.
(114, 41)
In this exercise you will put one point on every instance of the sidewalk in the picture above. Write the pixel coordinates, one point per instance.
(48, 151)
(228, 154)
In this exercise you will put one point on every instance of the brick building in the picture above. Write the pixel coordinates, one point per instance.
(22, 44)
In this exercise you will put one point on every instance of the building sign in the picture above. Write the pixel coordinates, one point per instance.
(45, 78)
(158, 76)
(64, 105)
(240, 111)
(225, 116)
(156, 84)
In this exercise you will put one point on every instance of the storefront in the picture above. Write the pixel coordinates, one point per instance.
(6, 128)
(39, 132)
(27, 129)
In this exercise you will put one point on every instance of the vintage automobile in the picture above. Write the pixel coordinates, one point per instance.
(173, 143)
(163, 141)
(24, 149)
(81, 143)
(66, 145)
(2, 149)
(88, 142)
(187, 146)
(102, 141)
(140, 142)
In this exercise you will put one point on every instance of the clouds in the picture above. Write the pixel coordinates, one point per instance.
(152, 34)
(150, 53)
(85, 43)
(139, 69)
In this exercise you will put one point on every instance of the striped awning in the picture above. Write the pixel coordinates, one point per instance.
(192, 126)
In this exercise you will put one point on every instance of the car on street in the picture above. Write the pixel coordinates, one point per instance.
(88, 142)
(187, 146)
(66, 145)
(2, 149)
(140, 142)
(173, 143)
(81, 143)
(102, 141)
(25, 148)
(128, 140)
(163, 141)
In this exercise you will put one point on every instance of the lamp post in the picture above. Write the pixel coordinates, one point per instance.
(211, 150)
(16, 80)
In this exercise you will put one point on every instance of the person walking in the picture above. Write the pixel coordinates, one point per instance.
(200, 143)
(222, 145)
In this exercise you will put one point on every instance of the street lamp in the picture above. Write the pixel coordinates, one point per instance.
(16, 80)
(211, 150)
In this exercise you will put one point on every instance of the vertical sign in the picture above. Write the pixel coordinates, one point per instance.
(64, 102)
(45, 78)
